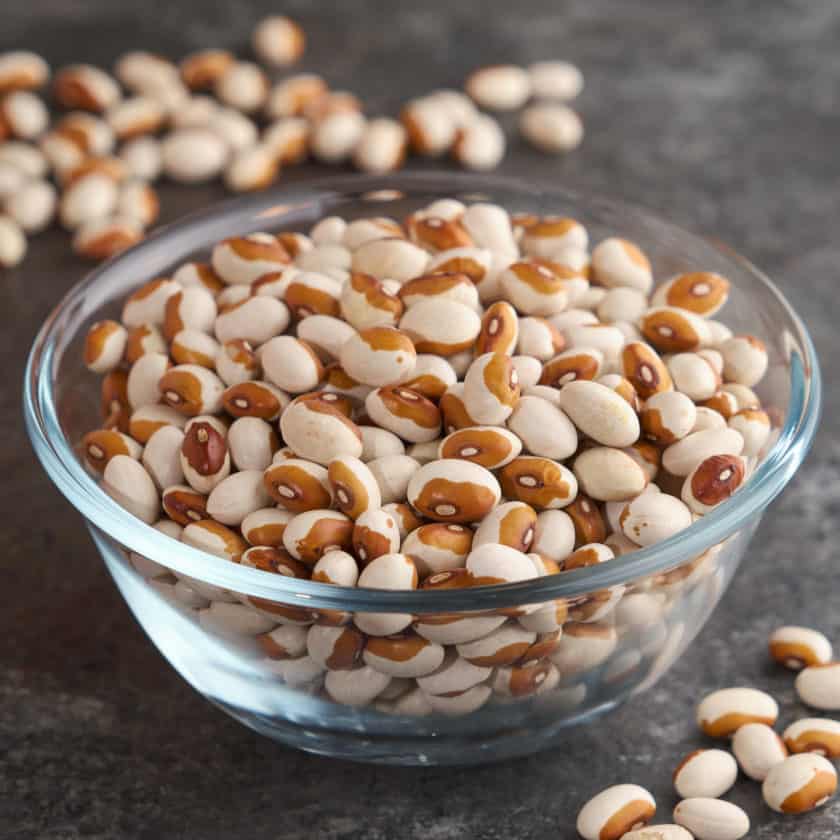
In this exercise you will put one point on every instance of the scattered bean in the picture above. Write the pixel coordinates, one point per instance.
(551, 127)
(712, 819)
(799, 647)
(757, 748)
(799, 784)
(818, 686)
(614, 812)
(705, 773)
(721, 713)
(504, 87)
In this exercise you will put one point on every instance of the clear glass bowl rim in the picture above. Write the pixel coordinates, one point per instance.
(83, 492)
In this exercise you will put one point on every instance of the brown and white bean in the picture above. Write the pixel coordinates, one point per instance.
(668, 416)
(721, 713)
(799, 784)
(799, 647)
(614, 812)
(378, 356)
(814, 735)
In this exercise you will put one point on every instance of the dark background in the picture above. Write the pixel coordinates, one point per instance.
(721, 116)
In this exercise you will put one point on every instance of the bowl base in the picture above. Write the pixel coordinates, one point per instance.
(421, 751)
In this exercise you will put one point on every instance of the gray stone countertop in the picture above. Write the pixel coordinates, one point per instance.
(722, 116)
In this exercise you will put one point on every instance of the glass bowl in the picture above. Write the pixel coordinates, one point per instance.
(628, 619)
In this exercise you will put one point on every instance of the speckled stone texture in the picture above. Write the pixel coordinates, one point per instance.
(723, 117)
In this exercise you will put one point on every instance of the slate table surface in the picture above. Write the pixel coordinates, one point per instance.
(722, 116)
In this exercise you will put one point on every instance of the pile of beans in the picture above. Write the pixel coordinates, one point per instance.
(794, 769)
(463, 398)
(214, 115)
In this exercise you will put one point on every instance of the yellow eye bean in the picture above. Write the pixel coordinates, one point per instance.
(614, 812)
(799, 784)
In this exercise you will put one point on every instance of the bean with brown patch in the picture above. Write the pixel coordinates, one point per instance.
(114, 405)
(100, 445)
(191, 390)
(800, 784)
(145, 338)
(242, 260)
(535, 289)
(491, 388)
(437, 234)
(266, 526)
(476, 263)
(404, 655)
(298, 485)
(378, 356)
(284, 642)
(215, 538)
(548, 236)
(313, 533)
(375, 533)
(511, 524)
(668, 416)
(455, 286)
(353, 486)
(644, 369)
(147, 305)
(526, 679)
(254, 399)
(572, 365)
(451, 490)
(504, 646)
(722, 712)
(673, 330)
(148, 419)
(405, 517)
(499, 330)
(336, 648)
(312, 293)
(488, 446)
(614, 812)
(438, 547)
(368, 302)
(814, 735)
(453, 409)
(539, 482)
(85, 87)
(702, 292)
(713, 481)
(405, 413)
(275, 560)
(204, 456)
(104, 346)
(183, 505)
(799, 647)
(193, 347)
(587, 519)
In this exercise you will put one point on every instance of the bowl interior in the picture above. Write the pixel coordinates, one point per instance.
(62, 397)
